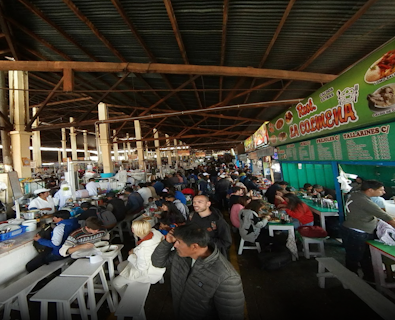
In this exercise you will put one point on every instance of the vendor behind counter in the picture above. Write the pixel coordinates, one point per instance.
(43, 201)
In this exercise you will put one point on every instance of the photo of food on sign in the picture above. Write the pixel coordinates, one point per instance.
(382, 98)
(282, 136)
(273, 139)
(383, 67)
(279, 123)
(260, 136)
(289, 117)
(271, 127)
(249, 144)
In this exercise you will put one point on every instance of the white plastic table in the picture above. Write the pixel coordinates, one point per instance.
(109, 258)
(291, 242)
(83, 268)
(63, 291)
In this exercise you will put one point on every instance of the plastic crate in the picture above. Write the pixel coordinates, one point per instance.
(13, 233)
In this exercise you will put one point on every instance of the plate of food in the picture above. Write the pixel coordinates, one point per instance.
(383, 97)
(271, 127)
(282, 136)
(289, 117)
(279, 123)
(383, 67)
(273, 139)
(110, 250)
(102, 245)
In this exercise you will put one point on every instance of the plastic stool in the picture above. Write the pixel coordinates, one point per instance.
(306, 247)
(242, 247)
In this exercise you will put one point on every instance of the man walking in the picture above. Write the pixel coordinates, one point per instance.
(204, 284)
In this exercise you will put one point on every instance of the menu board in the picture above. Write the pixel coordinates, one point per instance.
(376, 143)
(361, 96)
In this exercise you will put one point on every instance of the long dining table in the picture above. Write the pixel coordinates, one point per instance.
(323, 212)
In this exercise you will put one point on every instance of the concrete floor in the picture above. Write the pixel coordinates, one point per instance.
(291, 291)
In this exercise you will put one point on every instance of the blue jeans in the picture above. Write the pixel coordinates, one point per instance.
(357, 251)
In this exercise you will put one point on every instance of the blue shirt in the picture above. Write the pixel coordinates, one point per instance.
(180, 196)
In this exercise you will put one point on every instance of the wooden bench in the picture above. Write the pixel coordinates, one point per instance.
(380, 304)
(14, 296)
(133, 301)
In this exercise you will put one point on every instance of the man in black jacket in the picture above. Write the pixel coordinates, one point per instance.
(204, 284)
(211, 220)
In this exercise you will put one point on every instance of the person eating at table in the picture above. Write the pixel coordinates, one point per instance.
(320, 191)
(84, 237)
(361, 222)
(299, 211)
(308, 188)
(253, 223)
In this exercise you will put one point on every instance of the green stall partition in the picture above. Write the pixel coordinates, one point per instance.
(297, 174)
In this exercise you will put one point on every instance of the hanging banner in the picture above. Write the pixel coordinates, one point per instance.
(200, 154)
(249, 144)
(260, 137)
(183, 152)
(376, 143)
(361, 96)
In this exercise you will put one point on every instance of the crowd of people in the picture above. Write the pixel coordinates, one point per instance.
(191, 209)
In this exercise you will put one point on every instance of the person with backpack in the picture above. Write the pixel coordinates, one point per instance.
(64, 227)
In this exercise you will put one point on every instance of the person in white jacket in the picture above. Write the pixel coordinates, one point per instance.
(138, 267)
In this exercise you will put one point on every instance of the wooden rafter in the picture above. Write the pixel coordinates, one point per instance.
(223, 42)
(272, 41)
(173, 20)
(7, 33)
(54, 103)
(41, 108)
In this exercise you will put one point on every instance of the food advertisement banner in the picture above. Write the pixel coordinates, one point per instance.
(362, 96)
(261, 138)
(249, 144)
(200, 154)
(376, 143)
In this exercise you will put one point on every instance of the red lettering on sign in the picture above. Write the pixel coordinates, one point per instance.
(305, 109)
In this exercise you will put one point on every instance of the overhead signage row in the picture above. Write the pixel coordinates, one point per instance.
(259, 139)
(362, 96)
(375, 143)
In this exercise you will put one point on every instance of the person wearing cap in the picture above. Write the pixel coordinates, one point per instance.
(43, 202)
(64, 227)
(116, 206)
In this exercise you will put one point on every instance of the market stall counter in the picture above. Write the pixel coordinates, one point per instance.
(14, 258)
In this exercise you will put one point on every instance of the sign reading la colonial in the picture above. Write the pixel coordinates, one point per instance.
(362, 96)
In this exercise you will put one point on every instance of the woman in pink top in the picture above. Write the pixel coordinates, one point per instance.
(241, 202)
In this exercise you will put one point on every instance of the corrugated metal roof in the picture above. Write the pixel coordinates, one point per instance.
(250, 27)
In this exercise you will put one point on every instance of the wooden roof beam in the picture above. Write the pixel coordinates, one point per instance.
(62, 102)
(58, 66)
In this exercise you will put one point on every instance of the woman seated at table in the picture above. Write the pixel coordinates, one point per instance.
(138, 267)
(169, 210)
(299, 211)
(240, 204)
(253, 223)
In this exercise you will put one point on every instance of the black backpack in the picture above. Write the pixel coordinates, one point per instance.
(44, 233)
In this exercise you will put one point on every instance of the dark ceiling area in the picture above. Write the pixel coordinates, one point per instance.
(206, 72)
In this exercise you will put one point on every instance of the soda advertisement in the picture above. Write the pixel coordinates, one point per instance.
(363, 95)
